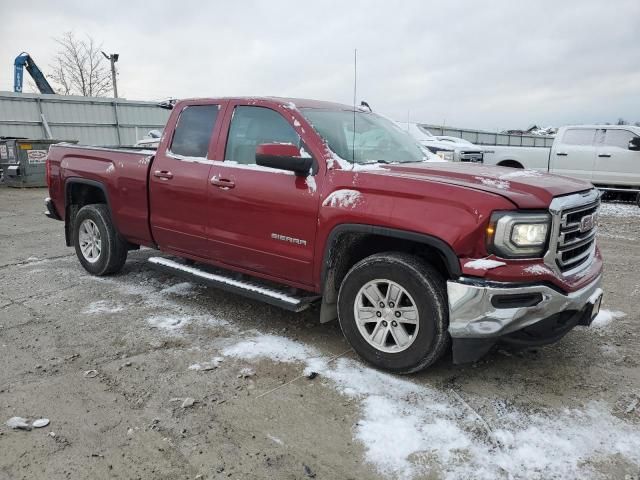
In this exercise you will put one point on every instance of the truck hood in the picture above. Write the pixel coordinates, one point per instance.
(525, 188)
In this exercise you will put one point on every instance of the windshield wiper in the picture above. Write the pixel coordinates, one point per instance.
(371, 162)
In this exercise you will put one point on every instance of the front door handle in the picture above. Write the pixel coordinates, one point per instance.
(604, 155)
(562, 154)
(163, 174)
(224, 183)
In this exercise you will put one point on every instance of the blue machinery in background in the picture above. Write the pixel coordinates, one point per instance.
(23, 61)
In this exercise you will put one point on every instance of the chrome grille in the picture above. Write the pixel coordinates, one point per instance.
(476, 157)
(574, 230)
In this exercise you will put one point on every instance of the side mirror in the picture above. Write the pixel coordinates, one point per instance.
(283, 156)
(634, 144)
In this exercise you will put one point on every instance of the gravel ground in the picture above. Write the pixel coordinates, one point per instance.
(145, 376)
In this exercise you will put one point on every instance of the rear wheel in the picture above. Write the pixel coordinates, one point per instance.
(638, 199)
(510, 164)
(99, 248)
(392, 310)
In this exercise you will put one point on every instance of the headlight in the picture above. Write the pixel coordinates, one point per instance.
(518, 235)
(445, 155)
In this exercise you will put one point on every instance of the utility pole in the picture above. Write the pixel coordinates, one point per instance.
(113, 58)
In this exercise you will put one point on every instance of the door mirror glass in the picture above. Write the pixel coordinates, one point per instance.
(283, 156)
(634, 144)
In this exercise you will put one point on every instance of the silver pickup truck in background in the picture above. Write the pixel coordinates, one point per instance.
(606, 155)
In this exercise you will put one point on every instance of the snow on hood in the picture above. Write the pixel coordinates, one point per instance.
(525, 188)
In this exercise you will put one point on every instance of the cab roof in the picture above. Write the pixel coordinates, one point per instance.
(298, 102)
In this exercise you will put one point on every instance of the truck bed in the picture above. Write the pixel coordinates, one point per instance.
(122, 174)
(535, 158)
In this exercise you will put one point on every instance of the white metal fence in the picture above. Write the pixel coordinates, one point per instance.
(89, 120)
(481, 137)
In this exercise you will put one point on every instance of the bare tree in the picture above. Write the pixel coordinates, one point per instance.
(79, 68)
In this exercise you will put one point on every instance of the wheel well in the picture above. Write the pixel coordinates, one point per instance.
(82, 194)
(349, 247)
(510, 164)
(79, 194)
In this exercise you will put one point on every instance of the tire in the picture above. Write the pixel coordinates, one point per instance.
(638, 200)
(100, 249)
(424, 289)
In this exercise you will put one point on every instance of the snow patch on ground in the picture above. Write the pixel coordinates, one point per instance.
(619, 210)
(494, 182)
(276, 348)
(214, 363)
(275, 439)
(342, 199)
(605, 317)
(405, 427)
(484, 264)
(183, 289)
(156, 296)
(169, 323)
(103, 306)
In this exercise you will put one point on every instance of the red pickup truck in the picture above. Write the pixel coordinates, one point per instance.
(296, 202)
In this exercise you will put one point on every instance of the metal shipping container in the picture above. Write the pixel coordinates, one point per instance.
(22, 161)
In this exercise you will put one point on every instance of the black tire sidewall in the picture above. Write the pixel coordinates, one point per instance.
(96, 214)
(432, 320)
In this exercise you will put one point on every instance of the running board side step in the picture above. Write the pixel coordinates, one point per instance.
(224, 280)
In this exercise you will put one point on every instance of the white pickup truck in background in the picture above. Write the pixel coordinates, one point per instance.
(606, 155)
(448, 148)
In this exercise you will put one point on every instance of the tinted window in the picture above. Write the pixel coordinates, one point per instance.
(578, 136)
(194, 129)
(252, 126)
(618, 138)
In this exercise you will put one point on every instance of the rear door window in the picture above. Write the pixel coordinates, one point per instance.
(193, 132)
(579, 136)
(252, 126)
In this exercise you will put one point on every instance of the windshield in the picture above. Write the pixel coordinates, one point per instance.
(376, 139)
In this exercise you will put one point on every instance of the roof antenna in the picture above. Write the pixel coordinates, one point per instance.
(355, 83)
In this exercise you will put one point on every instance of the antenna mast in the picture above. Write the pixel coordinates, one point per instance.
(355, 83)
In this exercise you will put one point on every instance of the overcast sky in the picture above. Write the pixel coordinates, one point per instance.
(489, 64)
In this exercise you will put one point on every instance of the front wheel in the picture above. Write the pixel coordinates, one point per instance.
(99, 248)
(392, 309)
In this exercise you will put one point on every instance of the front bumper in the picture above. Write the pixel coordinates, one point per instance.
(481, 313)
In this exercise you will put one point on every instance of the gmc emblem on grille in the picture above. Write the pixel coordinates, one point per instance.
(587, 222)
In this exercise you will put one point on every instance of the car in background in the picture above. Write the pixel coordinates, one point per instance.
(448, 148)
(151, 141)
(606, 155)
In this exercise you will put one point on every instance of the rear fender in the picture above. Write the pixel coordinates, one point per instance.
(71, 208)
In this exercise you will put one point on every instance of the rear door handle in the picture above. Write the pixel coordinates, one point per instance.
(562, 154)
(163, 174)
(224, 183)
(604, 155)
